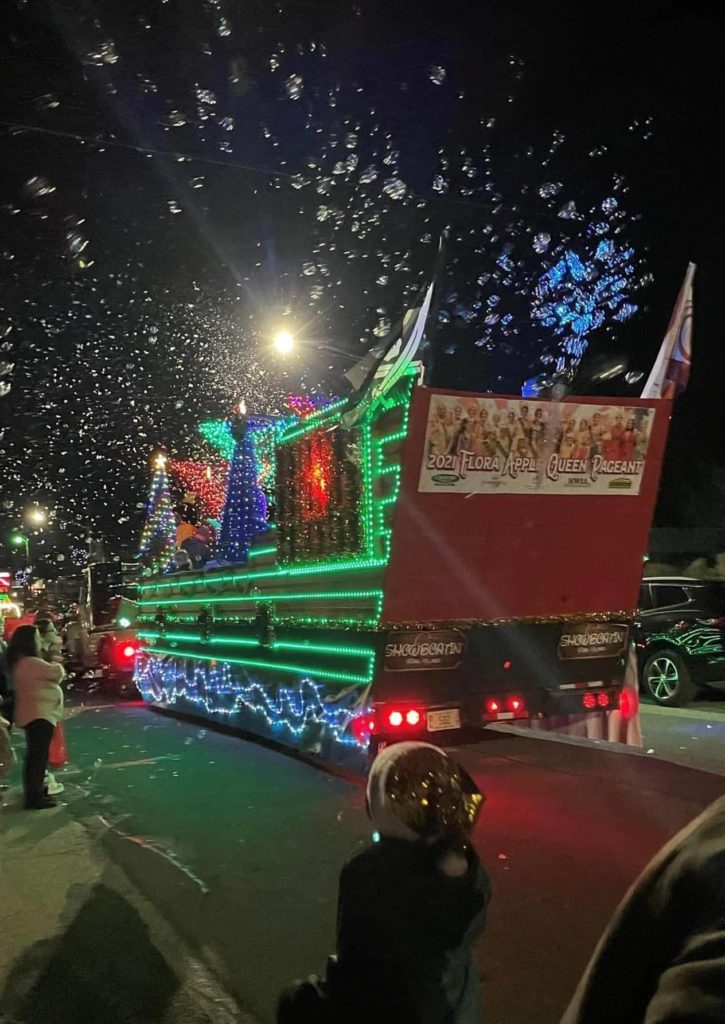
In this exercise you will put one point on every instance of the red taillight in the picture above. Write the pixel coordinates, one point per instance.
(492, 707)
(589, 701)
(516, 704)
(627, 703)
(604, 700)
(361, 726)
(407, 716)
(507, 665)
(128, 651)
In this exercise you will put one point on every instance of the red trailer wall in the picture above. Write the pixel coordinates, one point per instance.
(491, 556)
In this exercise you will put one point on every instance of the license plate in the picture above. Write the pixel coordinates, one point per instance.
(439, 720)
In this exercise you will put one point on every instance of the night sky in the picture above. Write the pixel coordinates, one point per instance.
(181, 177)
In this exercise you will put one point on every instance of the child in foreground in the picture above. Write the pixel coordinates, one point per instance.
(410, 906)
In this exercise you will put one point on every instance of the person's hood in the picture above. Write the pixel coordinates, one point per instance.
(381, 812)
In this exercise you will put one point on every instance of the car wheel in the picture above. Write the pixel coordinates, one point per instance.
(667, 679)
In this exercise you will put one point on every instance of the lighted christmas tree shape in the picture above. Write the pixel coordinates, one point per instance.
(245, 510)
(159, 533)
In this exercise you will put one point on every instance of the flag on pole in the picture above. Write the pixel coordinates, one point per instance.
(671, 370)
(386, 362)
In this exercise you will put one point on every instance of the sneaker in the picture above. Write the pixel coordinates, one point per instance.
(42, 804)
(52, 786)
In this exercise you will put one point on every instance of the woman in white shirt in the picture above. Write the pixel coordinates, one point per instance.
(38, 709)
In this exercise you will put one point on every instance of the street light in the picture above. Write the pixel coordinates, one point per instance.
(36, 515)
(285, 342)
(19, 539)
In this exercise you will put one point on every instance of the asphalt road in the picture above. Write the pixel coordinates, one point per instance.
(693, 735)
(240, 847)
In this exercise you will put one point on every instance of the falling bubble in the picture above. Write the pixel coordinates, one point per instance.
(205, 96)
(541, 242)
(395, 188)
(47, 102)
(437, 74)
(634, 376)
(176, 119)
(37, 187)
(104, 54)
(227, 123)
(382, 327)
(293, 86)
(223, 27)
(5, 387)
(197, 182)
(368, 175)
(549, 189)
(173, 206)
(568, 211)
(609, 205)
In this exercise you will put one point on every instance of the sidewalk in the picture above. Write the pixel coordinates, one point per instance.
(79, 944)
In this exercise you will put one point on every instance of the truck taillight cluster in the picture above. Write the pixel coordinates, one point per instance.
(399, 718)
(602, 700)
(499, 709)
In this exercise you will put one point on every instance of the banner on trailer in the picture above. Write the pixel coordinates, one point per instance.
(513, 446)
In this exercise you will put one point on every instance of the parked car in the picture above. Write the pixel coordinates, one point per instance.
(680, 636)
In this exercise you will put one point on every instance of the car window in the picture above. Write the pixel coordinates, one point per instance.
(645, 599)
(666, 595)
(710, 597)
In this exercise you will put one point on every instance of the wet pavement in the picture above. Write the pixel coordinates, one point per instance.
(240, 847)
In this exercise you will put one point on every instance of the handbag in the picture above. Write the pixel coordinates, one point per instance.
(58, 752)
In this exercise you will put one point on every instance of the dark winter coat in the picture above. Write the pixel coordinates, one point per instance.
(662, 958)
(404, 940)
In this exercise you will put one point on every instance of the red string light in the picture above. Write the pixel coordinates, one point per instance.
(316, 476)
(207, 480)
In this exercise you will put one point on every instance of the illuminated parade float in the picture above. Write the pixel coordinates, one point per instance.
(409, 562)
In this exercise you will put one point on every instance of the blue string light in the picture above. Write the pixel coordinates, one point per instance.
(222, 691)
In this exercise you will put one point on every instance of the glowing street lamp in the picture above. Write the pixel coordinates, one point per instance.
(20, 540)
(36, 515)
(284, 342)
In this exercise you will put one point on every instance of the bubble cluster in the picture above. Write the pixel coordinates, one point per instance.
(153, 251)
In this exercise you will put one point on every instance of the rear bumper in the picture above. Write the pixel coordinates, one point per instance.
(478, 710)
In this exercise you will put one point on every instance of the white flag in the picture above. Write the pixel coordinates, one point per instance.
(671, 370)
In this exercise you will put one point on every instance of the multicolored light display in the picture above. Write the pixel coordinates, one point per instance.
(207, 480)
(159, 534)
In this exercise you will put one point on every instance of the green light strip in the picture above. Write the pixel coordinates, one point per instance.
(259, 598)
(280, 572)
(310, 423)
(256, 552)
(293, 619)
(284, 645)
(344, 677)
